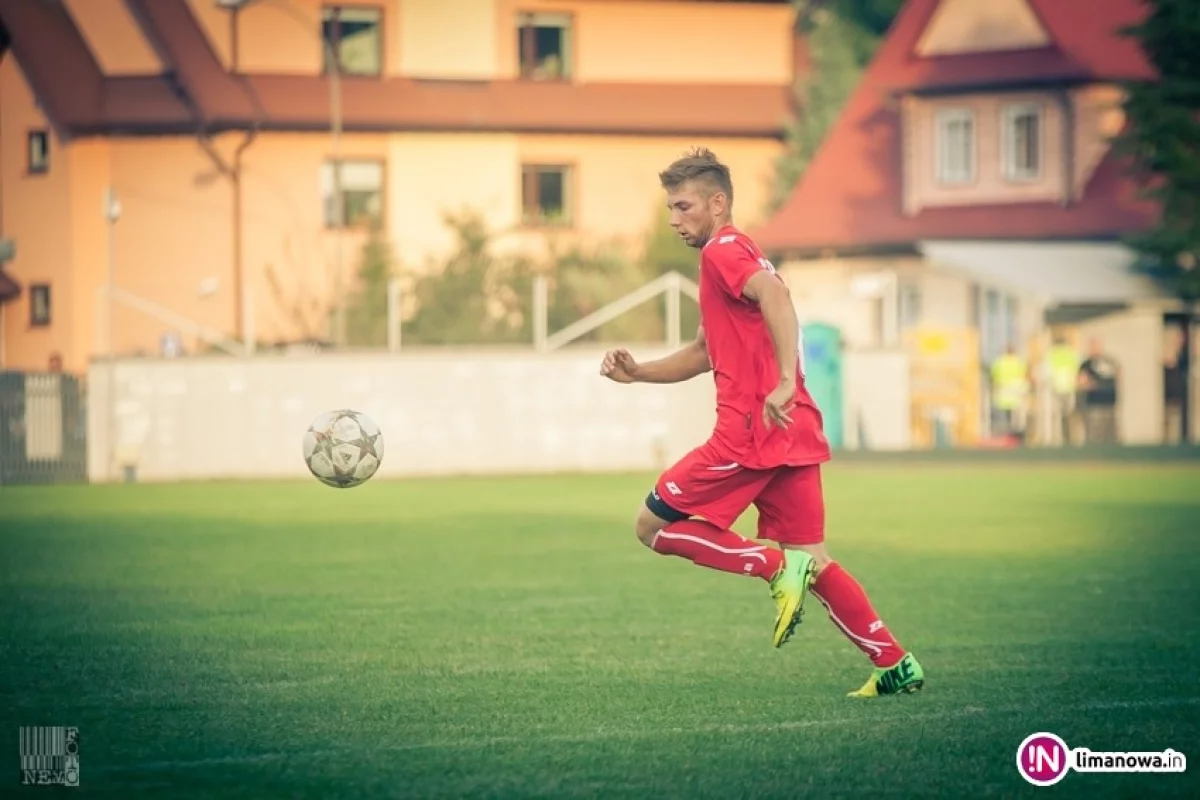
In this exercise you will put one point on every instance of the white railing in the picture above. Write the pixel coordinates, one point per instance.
(672, 284)
(106, 297)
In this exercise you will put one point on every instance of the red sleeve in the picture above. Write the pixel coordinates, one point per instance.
(732, 263)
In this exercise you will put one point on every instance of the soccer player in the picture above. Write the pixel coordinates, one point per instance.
(768, 444)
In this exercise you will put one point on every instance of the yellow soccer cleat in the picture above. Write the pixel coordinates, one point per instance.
(789, 587)
(903, 677)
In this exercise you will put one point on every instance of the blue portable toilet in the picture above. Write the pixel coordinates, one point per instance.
(823, 377)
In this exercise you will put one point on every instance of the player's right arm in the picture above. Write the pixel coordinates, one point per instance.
(682, 365)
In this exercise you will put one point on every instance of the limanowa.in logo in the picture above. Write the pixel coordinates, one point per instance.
(1044, 759)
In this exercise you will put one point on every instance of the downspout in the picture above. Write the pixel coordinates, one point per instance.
(203, 139)
(1068, 146)
(242, 326)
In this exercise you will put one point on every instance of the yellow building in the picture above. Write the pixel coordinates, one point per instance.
(194, 147)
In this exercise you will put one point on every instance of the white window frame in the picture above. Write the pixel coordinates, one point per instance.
(358, 175)
(535, 217)
(333, 15)
(946, 174)
(543, 19)
(910, 303)
(1012, 171)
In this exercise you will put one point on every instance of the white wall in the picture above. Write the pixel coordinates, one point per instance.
(441, 411)
(470, 412)
(878, 397)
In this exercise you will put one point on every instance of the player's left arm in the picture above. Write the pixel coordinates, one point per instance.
(775, 302)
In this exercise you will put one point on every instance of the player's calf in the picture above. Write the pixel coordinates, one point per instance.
(704, 544)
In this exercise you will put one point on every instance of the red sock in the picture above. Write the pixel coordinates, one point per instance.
(851, 611)
(706, 545)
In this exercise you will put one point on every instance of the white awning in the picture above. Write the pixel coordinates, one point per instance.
(1056, 273)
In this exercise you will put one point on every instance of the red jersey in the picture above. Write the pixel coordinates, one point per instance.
(744, 367)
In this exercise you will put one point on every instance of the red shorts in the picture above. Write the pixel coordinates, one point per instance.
(790, 503)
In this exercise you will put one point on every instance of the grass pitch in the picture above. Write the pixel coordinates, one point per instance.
(509, 637)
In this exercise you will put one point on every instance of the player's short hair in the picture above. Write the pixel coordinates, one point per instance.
(701, 165)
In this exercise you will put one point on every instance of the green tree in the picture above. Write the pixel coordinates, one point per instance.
(367, 307)
(1163, 141)
(842, 37)
(873, 16)
(584, 279)
(662, 252)
(476, 297)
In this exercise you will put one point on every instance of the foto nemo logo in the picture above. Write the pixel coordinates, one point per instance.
(1042, 759)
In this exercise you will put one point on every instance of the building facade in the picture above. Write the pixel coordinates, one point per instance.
(970, 191)
(220, 160)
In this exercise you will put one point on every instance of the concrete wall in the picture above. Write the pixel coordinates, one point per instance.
(442, 412)
(470, 412)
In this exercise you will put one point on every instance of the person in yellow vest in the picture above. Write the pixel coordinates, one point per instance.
(1010, 391)
(1062, 367)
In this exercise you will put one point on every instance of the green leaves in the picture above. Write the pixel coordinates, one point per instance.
(1162, 141)
(842, 36)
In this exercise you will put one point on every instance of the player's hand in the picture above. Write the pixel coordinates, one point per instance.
(619, 366)
(777, 408)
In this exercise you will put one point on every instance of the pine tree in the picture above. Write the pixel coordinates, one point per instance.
(1162, 138)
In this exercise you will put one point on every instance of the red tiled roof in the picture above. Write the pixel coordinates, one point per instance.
(68, 82)
(200, 93)
(1084, 47)
(850, 197)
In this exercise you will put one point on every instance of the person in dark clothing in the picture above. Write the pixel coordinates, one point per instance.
(1099, 376)
(1173, 388)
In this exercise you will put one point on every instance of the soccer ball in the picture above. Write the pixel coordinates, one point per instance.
(343, 448)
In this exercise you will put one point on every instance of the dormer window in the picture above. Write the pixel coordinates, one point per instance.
(955, 147)
(1021, 137)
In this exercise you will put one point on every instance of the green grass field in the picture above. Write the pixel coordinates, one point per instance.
(509, 637)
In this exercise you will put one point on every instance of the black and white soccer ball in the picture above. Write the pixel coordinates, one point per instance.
(343, 448)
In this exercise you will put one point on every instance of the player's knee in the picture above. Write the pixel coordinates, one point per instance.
(646, 526)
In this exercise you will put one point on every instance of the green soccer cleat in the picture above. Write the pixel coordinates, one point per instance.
(789, 587)
(903, 677)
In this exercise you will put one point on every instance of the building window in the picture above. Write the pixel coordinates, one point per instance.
(39, 305)
(544, 195)
(955, 146)
(361, 190)
(909, 311)
(1022, 142)
(996, 318)
(39, 152)
(544, 46)
(354, 34)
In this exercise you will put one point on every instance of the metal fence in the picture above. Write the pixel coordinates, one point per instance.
(43, 428)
